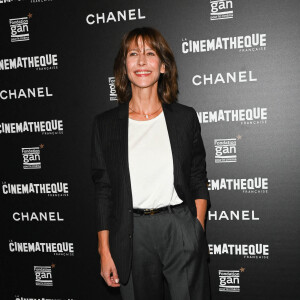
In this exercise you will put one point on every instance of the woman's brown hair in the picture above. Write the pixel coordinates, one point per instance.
(167, 83)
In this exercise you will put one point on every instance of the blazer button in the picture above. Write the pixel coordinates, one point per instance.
(129, 210)
(130, 236)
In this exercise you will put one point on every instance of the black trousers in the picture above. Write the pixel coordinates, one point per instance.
(169, 246)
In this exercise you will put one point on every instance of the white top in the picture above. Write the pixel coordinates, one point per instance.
(151, 163)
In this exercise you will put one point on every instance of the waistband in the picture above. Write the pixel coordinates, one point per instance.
(153, 211)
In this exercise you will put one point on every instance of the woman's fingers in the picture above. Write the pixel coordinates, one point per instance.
(109, 273)
(115, 277)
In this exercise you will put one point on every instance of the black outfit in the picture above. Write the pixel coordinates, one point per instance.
(169, 245)
(110, 173)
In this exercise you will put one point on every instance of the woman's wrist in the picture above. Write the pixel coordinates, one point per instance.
(104, 251)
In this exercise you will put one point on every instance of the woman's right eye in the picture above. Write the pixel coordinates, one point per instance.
(132, 53)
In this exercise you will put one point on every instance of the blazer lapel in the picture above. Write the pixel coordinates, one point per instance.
(173, 135)
(123, 130)
(123, 126)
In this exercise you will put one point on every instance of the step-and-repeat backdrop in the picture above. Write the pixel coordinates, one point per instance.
(238, 67)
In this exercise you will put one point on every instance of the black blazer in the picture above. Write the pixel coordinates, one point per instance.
(110, 173)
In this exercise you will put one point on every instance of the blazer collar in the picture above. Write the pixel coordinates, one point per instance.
(123, 109)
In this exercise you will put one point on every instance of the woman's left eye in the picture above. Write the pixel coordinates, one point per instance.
(151, 53)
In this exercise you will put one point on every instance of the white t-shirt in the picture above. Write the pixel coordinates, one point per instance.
(151, 163)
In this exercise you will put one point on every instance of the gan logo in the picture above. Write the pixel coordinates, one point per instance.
(19, 29)
(225, 150)
(32, 157)
(43, 275)
(221, 10)
(249, 116)
(112, 89)
(118, 16)
(254, 251)
(230, 280)
(256, 185)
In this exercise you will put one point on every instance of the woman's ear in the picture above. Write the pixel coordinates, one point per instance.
(162, 68)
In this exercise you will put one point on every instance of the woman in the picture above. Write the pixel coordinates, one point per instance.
(149, 170)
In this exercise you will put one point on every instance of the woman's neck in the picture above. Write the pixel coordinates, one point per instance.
(145, 100)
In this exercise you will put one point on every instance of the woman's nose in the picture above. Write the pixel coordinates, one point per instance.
(142, 59)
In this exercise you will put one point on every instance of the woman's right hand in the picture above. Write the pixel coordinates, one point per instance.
(109, 271)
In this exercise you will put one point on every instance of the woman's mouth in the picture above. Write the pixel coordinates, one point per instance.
(142, 72)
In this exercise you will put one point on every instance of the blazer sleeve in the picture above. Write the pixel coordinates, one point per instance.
(198, 180)
(101, 180)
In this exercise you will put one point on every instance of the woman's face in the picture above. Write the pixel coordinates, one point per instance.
(143, 65)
